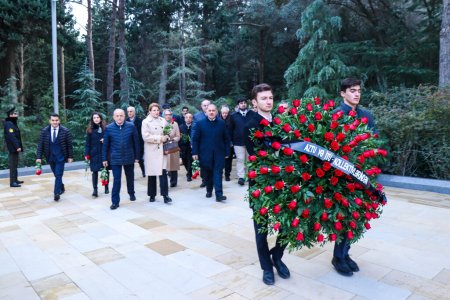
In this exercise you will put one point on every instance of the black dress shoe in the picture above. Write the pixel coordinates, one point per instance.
(114, 206)
(106, 189)
(14, 184)
(241, 181)
(351, 264)
(341, 266)
(95, 193)
(167, 199)
(268, 277)
(19, 181)
(173, 185)
(203, 185)
(282, 269)
(221, 198)
(189, 178)
(227, 178)
(152, 199)
(57, 197)
(208, 194)
(133, 198)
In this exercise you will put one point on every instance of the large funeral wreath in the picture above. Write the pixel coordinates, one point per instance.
(313, 174)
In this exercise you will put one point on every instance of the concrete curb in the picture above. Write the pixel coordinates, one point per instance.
(413, 183)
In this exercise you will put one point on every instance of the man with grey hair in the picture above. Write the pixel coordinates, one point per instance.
(121, 144)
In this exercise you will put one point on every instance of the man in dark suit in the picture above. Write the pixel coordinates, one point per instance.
(262, 98)
(121, 141)
(210, 144)
(131, 111)
(185, 145)
(237, 126)
(13, 142)
(55, 143)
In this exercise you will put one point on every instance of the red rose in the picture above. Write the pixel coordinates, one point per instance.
(331, 103)
(303, 158)
(364, 120)
(309, 107)
(367, 225)
(279, 185)
(276, 145)
(346, 127)
(299, 237)
(276, 209)
(345, 157)
(195, 175)
(374, 205)
(334, 117)
(353, 143)
(87, 157)
(306, 176)
(302, 119)
(268, 133)
(319, 190)
(297, 133)
(367, 215)
(352, 113)
(276, 121)
(324, 216)
(295, 222)
(263, 211)
(352, 224)
(320, 238)
(326, 107)
(352, 127)
(286, 128)
(327, 203)
(295, 189)
(296, 103)
(355, 215)
(350, 187)
(288, 151)
(334, 125)
(346, 149)
(374, 215)
(340, 137)
(289, 169)
(338, 173)
(317, 100)
(252, 174)
(275, 169)
(382, 152)
(256, 193)
(334, 146)
(258, 134)
(264, 122)
(349, 235)
(262, 153)
(252, 158)
(326, 166)
(311, 128)
(320, 173)
(344, 202)
(293, 111)
(292, 205)
(361, 159)
(307, 139)
(276, 226)
(332, 237)
(318, 116)
(328, 136)
(316, 226)
(305, 213)
(38, 171)
(338, 196)
(338, 226)
(263, 170)
(280, 109)
(268, 189)
(334, 180)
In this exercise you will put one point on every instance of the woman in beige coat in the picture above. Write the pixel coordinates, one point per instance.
(173, 162)
(154, 159)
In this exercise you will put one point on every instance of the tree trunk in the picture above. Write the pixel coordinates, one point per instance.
(122, 53)
(21, 70)
(62, 79)
(90, 48)
(163, 78)
(183, 74)
(444, 55)
(8, 70)
(111, 60)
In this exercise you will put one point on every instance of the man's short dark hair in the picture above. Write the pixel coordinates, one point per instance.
(241, 99)
(55, 115)
(348, 83)
(263, 87)
(185, 107)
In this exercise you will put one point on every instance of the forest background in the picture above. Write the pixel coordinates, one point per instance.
(179, 52)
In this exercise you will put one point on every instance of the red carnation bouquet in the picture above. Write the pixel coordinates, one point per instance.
(195, 169)
(314, 174)
(38, 168)
(104, 176)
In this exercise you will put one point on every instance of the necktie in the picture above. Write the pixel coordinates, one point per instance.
(54, 135)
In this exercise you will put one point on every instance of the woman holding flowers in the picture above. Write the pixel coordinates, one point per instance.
(93, 149)
(173, 161)
(154, 159)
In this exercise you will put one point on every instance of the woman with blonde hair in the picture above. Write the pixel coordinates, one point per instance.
(154, 159)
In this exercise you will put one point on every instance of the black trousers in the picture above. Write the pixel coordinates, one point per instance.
(141, 164)
(213, 178)
(13, 162)
(263, 249)
(341, 249)
(229, 163)
(163, 185)
(173, 177)
(186, 157)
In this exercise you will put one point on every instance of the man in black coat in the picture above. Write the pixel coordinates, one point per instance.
(185, 145)
(210, 144)
(13, 142)
(225, 116)
(262, 98)
(55, 143)
(237, 131)
(131, 111)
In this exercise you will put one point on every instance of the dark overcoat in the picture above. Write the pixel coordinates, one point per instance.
(13, 139)
(93, 147)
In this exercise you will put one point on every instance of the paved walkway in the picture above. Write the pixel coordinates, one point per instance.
(199, 249)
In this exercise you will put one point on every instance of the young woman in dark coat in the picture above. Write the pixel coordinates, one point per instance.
(93, 148)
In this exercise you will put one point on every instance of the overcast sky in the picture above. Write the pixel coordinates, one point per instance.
(80, 13)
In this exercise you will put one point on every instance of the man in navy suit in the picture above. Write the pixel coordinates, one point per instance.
(121, 141)
(55, 143)
(210, 144)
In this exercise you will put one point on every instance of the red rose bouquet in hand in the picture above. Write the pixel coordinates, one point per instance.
(195, 169)
(38, 168)
(104, 176)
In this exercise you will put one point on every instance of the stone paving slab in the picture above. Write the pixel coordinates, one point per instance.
(78, 248)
